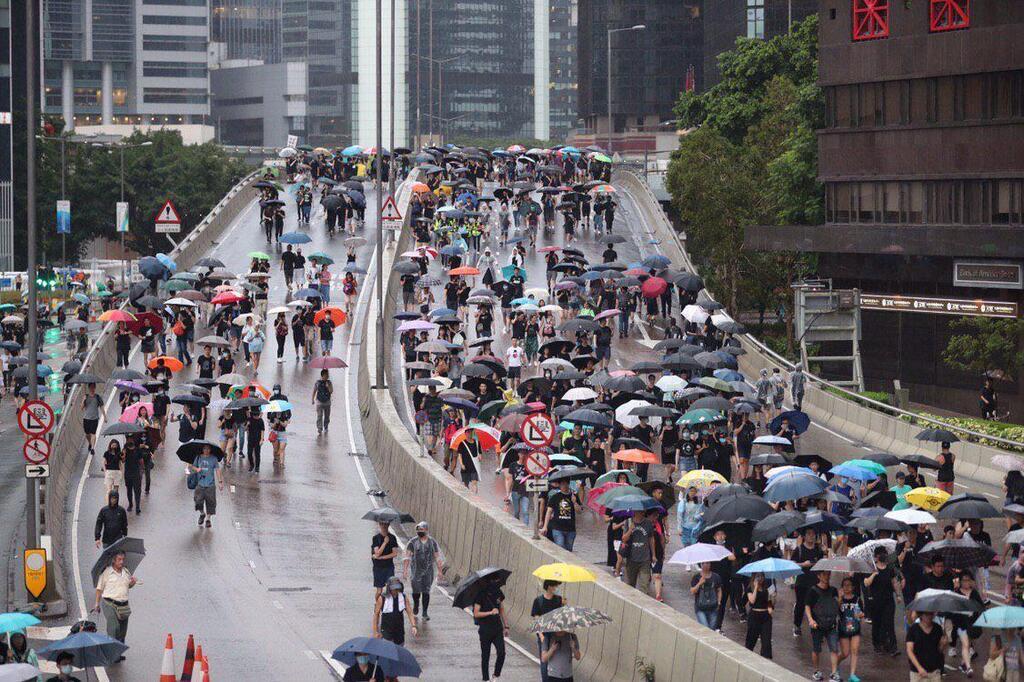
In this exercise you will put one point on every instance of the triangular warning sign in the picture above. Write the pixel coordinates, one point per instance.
(390, 210)
(168, 214)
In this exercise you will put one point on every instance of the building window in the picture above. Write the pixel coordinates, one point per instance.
(870, 19)
(949, 15)
(755, 19)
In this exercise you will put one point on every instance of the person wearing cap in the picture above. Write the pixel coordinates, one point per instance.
(390, 612)
(422, 554)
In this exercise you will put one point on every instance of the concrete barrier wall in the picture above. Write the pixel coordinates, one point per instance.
(872, 427)
(475, 534)
(68, 437)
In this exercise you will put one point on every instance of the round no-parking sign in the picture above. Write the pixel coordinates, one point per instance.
(538, 430)
(537, 463)
(35, 418)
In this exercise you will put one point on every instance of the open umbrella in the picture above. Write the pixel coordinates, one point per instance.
(19, 672)
(777, 525)
(470, 587)
(187, 452)
(568, 618)
(90, 649)
(930, 499)
(16, 622)
(1001, 618)
(959, 553)
(392, 659)
(699, 553)
(799, 421)
(967, 506)
(792, 485)
(134, 552)
(613, 475)
(844, 564)
(944, 601)
(937, 436)
(772, 568)
(701, 479)
(387, 515)
(737, 508)
(123, 429)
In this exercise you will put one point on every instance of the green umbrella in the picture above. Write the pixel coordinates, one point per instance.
(716, 384)
(7, 307)
(178, 285)
(874, 467)
(568, 618)
(700, 416)
(320, 256)
(601, 157)
(605, 498)
(490, 410)
(613, 475)
(187, 276)
(258, 255)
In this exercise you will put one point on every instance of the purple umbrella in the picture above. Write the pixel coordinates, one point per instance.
(131, 387)
(607, 313)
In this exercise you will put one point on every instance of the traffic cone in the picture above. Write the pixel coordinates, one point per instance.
(206, 669)
(200, 677)
(167, 667)
(190, 659)
(195, 672)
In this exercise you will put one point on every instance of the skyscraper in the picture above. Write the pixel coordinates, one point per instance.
(126, 61)
(247, 29)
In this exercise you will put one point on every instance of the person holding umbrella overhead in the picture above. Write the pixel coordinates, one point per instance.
(489, 615)
(112, 595)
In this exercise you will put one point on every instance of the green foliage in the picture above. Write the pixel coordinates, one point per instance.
(752, 160)
(644, 669)
(878, 396)
(194, 177)
(1014, 432)
(981, 344)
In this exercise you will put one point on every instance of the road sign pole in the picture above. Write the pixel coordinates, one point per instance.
(535, 503)
(31, 486)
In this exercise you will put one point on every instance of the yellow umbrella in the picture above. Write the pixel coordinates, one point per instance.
(564, 573)
(929, 499)
(700, 479)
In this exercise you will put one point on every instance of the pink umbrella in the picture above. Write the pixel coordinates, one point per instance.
(607, 313)
(131, 413)
(622, 373)
(592, 496)
(416, 326)
(653, 287)
(328, 362)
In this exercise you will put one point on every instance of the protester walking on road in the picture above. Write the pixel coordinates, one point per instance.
(546, 602)
(383, 550)
(112, 596)
(822, 610)
(390, 612)
(760, 606)
(796, 386)
(323, 389)
(708, 591)
(638, 551)
(92, 408)
(206, 467)
(489, 615)
(112, 475)
(925, 644)
(559, 650)
(111, 522)
(422, 555)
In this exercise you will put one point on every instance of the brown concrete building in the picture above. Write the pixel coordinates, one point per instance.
(922, 160)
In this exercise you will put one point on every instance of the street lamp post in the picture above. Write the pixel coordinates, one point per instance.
(611, 120)
(391, 163)
(380, 383)
(31, 484)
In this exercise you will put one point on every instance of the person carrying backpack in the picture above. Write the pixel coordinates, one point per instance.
(822, 611)
(706, 588)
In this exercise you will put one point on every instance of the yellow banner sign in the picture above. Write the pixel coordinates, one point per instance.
(35, 571)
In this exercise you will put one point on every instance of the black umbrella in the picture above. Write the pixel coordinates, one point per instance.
(678, 361)
(937, 436)
(148, 302)
(877, 523)
(646, 367)
(387, 515)
(187, 452)
(626, 441)
(579, 324)
(189, 399)
(883, 458)
(208, 263)
(69, 367)
(805, 461)
(777, 525)
(126, 374)
(589, 418)
(570, 474)
(568, 375)
(123, 429)
(920, 460)
(944, 601)
(728, 490)
(85, 378)
(711, 402)
(967, 506)
(627, 383)
(689, 282)
(668, 493)
(737, 508)
(653, 411)
(242, 403)
(134, 550)
(470, 587)
(879, 498)
(768, 459)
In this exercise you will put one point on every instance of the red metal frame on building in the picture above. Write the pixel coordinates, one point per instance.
(870, 19)
(949, 15)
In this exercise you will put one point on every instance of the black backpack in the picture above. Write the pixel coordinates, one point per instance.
(83, 626)
(825, 609)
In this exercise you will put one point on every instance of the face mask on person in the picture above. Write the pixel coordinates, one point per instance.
(363, 660)
(421, 533)
(66, 669)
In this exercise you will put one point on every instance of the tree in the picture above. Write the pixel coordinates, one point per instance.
(984, 344)
(762, 115)
(194, 177)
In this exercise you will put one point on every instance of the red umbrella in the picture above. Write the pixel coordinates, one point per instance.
(653, 287)
(226, 298)
(327, 362)
(156, 322)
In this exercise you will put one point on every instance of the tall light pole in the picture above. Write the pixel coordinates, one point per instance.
(31, 484)
(611, 120)
(125, 261)
(380, 382)
(416, 143)
(391, 163)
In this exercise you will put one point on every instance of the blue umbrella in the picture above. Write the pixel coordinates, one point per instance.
(657, 261)
(823, 521)
(847, 470)
(728, 375)
(16, 622)
(167, 262)
(441, 312)
(772, 568)
(591, 276)
(509, 270)
(357, 198)
(523, 301)
(151, 268)
(308, 293)
(393, 660)
(90, 649)
(634, 503)
(461, 403)
(728, 359)
(295, 238)
(1002, 617)
(515, 240)
(792, 485)
(352, 151)
(798, 420)
(468, 198)
(81, 298)
(452, 250)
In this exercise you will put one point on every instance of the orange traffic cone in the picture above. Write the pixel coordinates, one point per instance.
(200, 677)
(167, 667)
(197, 671)
(190, 659)
(206, 669)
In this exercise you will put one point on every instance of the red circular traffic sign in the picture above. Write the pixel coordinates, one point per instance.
(537, 463)
(36, 450)
(35, 418)
(537, 430)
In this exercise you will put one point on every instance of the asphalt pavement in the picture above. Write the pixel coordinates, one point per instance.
(283, 577)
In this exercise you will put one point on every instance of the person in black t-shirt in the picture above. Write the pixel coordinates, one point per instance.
(806, 554)
(489, 615)
(206, 363)
(546, 603)
(383, 550)
(883, 585)
(561, 516)
(925, 643)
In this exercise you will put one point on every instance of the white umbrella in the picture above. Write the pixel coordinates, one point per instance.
(445, 383)
(287, 153)
(180, 301)
(19, 672)
(623, 416)
(775, 471)
(912, 517)
(579, 393)
(528, 308)
(698, 553)
(536, 292)
(718, 318)
(241, 319)
(551, 308)
(695, 314)
(557, 364)
(1014, 537)
(671, 383)
(280, 309)
(771, 440)
(299, 303)
(866, 550)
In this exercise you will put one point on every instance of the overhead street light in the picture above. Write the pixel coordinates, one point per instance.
(611, 120)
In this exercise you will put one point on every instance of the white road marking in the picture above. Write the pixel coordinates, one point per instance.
(278, 605)
(232, 488)
(336, 666)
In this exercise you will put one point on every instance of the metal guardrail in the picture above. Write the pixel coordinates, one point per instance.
(777, 359)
